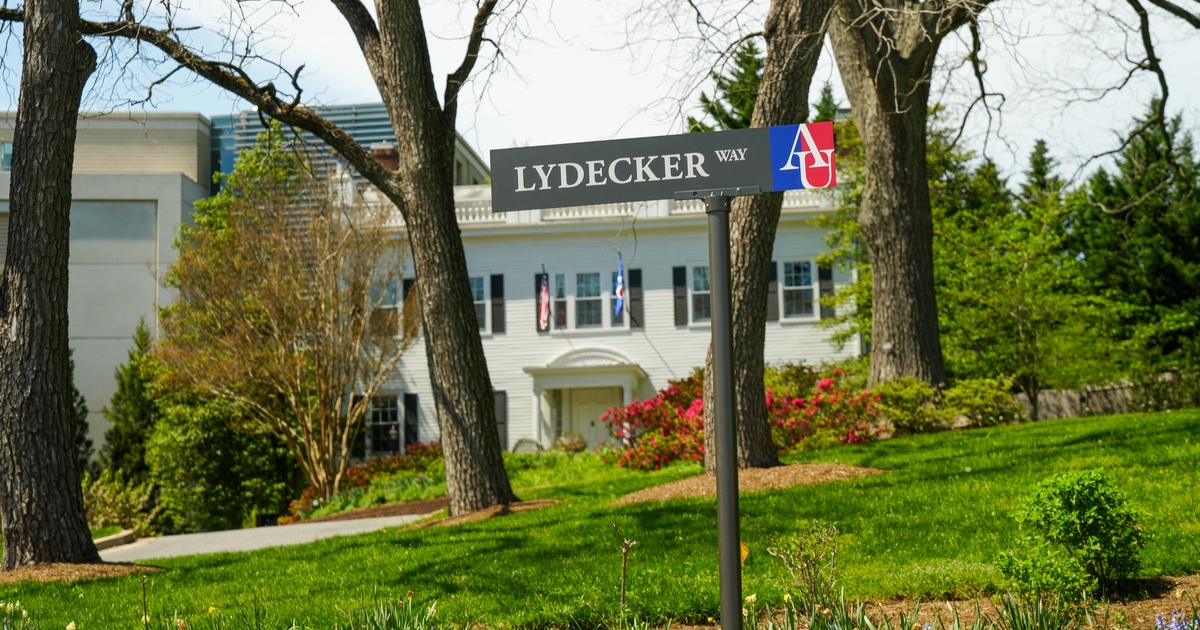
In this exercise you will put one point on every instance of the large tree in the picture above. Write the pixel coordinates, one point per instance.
(40, 495)
(885, 52)
(793, 32)
(393, 44)
(287, 305)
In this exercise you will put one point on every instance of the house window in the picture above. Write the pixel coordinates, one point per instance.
(383, 427)
(584, 300)
(589, 302)
(5, 156)
(701, 295)
(560, 300)
(480, 298)
(798, 290)
(385, 308)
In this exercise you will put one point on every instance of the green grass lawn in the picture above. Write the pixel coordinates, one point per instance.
(932, 526)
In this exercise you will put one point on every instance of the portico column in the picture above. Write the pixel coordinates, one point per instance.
(537, 415)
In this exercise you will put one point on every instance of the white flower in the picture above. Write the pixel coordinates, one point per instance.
(71, 626)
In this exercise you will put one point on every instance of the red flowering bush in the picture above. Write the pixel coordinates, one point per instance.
(670, 427)
(418, 457)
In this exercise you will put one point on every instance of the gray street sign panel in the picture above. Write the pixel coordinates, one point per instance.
(641, 169)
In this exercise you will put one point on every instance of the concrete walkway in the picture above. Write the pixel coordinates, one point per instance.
(247, 539)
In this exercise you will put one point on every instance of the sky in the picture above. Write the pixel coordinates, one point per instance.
(580, 70)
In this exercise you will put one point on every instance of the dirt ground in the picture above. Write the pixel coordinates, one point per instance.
(1151, 597)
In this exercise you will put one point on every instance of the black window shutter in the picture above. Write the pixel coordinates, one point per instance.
(636, 306)
(501, 400)
(679, 281)
(773, 293)
(410, 419)
(497, 303)
(825, 287)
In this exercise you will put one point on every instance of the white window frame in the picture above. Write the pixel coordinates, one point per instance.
(693, 293)
(381, 303)
(486, 279)
(606, 298)
(370, 422)
(813, 287)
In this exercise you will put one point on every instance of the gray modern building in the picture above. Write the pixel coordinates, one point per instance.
(367, 123)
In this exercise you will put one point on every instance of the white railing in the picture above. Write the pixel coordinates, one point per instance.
(793, 201)
(599, 211)
(476, 212)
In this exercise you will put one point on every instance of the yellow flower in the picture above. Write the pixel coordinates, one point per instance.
(212, 609)
(750, 599)
(710, 620)
(71, 626)
(181, 624)
(787, 597)
(744, 613)
(145, 619)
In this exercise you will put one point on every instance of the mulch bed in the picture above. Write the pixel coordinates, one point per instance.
(750, 480)
(425, 506)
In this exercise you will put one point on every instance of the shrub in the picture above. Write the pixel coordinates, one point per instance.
(910, 404)
(987, 401)
(570, 443)
(110, 501)
(1039, 568)
(420, 473)
(1085, 516)
(214, 469)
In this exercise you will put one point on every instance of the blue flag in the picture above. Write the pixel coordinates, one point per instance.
(619, 291)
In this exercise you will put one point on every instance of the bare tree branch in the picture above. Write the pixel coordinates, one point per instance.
(455, 81)
(1178, 11)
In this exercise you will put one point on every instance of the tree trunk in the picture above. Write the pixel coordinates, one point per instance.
(794, 30)
(886, 67)
(40, 496)
(424, 190)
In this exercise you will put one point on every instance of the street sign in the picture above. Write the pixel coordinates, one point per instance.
(786, 157)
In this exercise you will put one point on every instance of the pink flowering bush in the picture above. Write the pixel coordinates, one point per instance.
(670, 426)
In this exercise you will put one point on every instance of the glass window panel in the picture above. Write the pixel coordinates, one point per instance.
(798, 303)
(797, 274)
(700, 279)
(701, 307)
(589, 313)
(587, 285)
(560, 300)
(477, 288)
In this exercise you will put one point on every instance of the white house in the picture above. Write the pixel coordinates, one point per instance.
(562, 380)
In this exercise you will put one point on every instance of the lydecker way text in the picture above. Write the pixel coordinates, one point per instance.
(769, 159)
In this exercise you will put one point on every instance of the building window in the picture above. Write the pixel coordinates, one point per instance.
(589, 302)
(383, 427)
(480, 298)
(385, 308)
(5, 157)
(584, 300)
(798, 290)
(701, 295)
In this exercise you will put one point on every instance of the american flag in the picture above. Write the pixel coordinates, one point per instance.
(544, 303)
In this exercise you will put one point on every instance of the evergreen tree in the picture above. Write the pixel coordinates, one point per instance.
(1137, 232)
(132, 412)
(733, 105)
(826, 108)
(83, 444)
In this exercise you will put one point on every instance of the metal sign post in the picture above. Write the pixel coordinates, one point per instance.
(728, 527)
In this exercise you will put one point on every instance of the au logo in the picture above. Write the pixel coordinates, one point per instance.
(802, 156)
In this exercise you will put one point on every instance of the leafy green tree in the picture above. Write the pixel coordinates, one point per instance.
(132, 412)
(286, 299)
(732, 107)
(1011, 302)
(1136, 231)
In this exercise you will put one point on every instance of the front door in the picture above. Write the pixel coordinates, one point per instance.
(587, 406)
